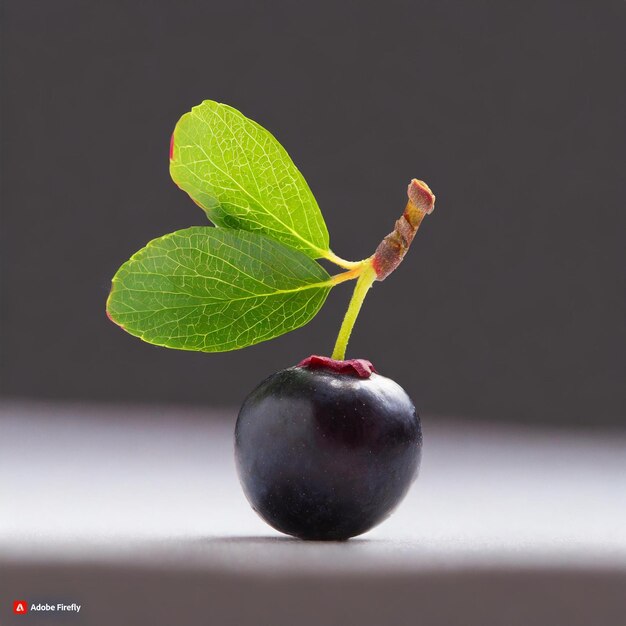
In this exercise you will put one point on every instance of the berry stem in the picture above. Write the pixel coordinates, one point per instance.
(366, 279)
(386, 258)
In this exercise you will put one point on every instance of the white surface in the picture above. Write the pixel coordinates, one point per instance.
(159, 485)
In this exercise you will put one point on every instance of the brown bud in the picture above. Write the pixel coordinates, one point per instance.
(394, 246)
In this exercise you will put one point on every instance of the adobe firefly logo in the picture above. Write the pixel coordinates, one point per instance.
(20, 607)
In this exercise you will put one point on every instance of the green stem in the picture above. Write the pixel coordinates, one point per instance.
(364, 282)
(337, 260)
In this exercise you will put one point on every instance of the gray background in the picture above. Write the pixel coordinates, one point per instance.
(510, 305)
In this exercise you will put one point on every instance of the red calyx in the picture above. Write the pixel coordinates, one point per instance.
(355, 367)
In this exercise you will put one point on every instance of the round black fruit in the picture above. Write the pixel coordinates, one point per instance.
(327, 449)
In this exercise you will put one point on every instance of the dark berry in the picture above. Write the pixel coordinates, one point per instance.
(327, 449)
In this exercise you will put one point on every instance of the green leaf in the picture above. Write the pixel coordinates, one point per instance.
(213, 290)
(244, 179)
